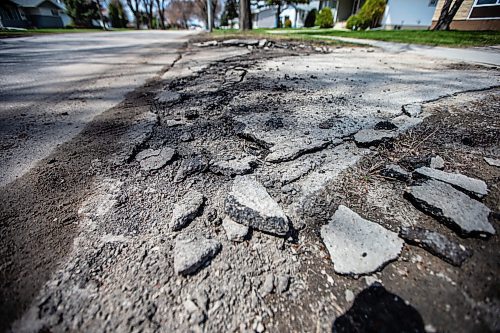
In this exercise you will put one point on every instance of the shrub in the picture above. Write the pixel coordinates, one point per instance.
(310, 18)
(325, 18)
(368, 16)
(288, 23)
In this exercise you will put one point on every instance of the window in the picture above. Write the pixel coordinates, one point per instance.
(433, 3)
(486, 2)
(485, 9)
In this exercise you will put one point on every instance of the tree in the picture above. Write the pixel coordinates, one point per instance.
(245, 15)
(201, 11)
(447, 14)
(279, 5)
(179, 12)
(134, 6)
(117, 14)
(230, 12)
(149, 6)
(82, 12)
(161, 6)
(310, 18)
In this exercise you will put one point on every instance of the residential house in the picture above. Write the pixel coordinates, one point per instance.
(474, 15)
(408, 14)
(264, 16)
(33, 14)
(399, 14)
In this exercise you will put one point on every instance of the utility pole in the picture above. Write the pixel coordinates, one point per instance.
(209, 14)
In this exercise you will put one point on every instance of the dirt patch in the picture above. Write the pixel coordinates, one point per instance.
(39, 211)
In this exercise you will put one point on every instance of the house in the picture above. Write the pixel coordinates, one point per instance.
(265, 16)
(473, 15)
(408, 14)
(399, 14)
(33, 13)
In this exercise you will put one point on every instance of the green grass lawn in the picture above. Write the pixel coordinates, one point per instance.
(425, 37)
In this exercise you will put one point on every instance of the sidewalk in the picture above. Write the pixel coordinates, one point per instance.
(486, 56)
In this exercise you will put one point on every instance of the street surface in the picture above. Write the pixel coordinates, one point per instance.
(51, 86)
(255, 186)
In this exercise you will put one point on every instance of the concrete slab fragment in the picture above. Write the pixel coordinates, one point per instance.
(249, 204)
(186, 210)
(475, 187)
(452, 207)
(358, 246)
(436, 244)
(192, 253)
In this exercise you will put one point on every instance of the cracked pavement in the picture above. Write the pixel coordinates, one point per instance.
(279, 123)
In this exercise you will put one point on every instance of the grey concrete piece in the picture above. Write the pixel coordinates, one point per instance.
(155, 159)
(437, 162)
(249, 204)
(190, 166)
(237, 166)
(452, 207)
(268, 285)
(475, 187)
(492, 161)
(404, 122)
(186, 210)
(396, 172)
(294, 148)
(436, 244)
(235, 231)
(412, 110)
(371, 137)
(282, 283)
(238, 42)
(167, 96)
(206, 44)
(192, 253)
(298, 133)
(296, 171)
(358, 246)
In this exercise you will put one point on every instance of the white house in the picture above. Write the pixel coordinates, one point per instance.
(265, 16)
(399, 14)
(408, 14)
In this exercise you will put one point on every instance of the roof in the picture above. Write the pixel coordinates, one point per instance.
(36, 3)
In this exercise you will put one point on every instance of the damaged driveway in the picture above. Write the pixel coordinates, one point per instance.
(224, 232)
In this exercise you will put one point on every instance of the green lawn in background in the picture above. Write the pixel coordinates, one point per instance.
(425, 37)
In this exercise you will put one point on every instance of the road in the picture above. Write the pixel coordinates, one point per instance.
(51, 86)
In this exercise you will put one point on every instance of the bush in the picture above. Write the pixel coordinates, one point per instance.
(310, 19)
(368, 16)
(288, 23)
(325, 18)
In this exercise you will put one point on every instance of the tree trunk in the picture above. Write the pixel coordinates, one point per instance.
(277, 18)
(160, 4)
(137, 21)
(447, 14)
(245, 15)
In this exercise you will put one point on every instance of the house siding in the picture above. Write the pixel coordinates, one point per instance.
(462, 21)
(414, 14)
(463, 11)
